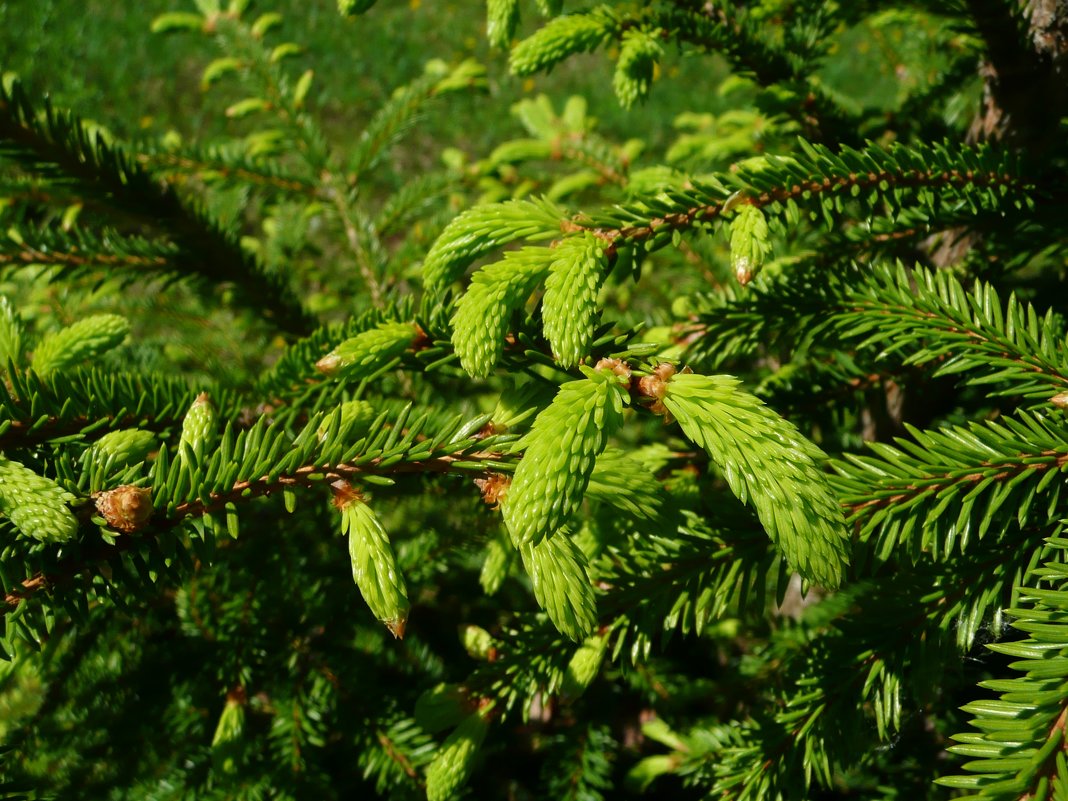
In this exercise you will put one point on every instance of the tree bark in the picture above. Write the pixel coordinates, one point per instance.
(1025, 72)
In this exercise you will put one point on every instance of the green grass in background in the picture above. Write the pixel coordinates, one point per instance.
(98, 58)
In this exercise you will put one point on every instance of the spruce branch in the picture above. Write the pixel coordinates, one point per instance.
(567, 136)
(873, 651)
(699, 573)
(930, 317)
(79, 253)
(765, 461)
(316, 475)
(393, 751)
(717, 27)
(410, 201)
(337, 180)
(59, 146)
(403, 109)
(296, 368)
(651, 603)
(995, 477)
(362, 240)
(199, 486)
(76, 403)
(1019, 748)
(885, 180)
(727, 29)
(976, 178)
(786, 311)
(222, 164)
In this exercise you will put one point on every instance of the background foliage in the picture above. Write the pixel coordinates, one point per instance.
(533, 400)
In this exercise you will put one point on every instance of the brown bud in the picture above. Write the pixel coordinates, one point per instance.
(1060, 400)
(653, 386)
(422, 339)
(344, 494)
(494, 488)
(126, 508)
(620, 368)
(743, 270)
(329, 364)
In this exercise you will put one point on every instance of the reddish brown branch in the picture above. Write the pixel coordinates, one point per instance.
(391, 751)
(307, 476)
(157, 161)
(31, 255)
(911, 179)
(940, 482)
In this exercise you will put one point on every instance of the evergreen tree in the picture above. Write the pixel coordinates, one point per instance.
(726, 472)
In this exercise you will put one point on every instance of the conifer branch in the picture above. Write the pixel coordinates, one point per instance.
(852, 668)
(1019, 750)
(35, 409)
(930, 316)
(466, 462)
(709, 587)
(723, 28)
(902, 497)
(77, 252)
(317, 475)
(824, 177)
(59, 146)
(224, 165)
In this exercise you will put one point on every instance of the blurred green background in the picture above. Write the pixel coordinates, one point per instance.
(99, 59)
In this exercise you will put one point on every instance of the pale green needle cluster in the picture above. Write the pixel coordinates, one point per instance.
(199, 426)
(750, 242)
(36, 505)
(502, 17)
(356, 419)
(560, 38)
(638, 55)
(482, 314)
(123, 447)
(374, 566)
(558, 574)
(10, 334)
(455, 759)
(584, 666)
(362, 355)
(499, 558)
(569, 307)
(767, 462)
(481, 230)
(79, 342)
(561, 452)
